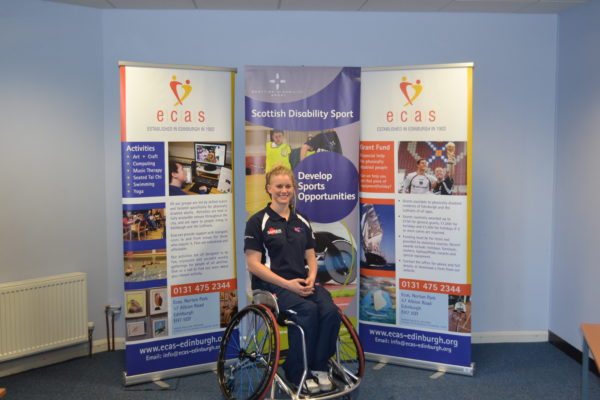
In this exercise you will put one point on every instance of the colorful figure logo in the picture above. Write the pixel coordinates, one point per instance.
(416, 90)
(187, 89)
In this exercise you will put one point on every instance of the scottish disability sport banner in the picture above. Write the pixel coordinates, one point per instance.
(178, 236)
(415, 177)
(308, 119)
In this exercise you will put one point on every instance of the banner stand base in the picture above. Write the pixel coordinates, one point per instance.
(409, 362)
(166, 374)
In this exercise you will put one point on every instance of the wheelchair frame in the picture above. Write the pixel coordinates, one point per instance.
(250, 353)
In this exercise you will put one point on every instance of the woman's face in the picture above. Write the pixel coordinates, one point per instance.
(281, 189)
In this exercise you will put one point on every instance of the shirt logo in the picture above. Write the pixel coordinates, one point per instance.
(299, 229)
(273, 231)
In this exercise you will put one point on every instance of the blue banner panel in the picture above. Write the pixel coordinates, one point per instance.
(172, 353)
(143, 169)
(145, 245)
(143, 206)
(145, 284)
(335, 104)
(415, 344)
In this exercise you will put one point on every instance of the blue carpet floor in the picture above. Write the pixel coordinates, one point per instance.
(508, 371)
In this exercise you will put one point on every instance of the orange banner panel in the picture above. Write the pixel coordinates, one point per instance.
(377, 167)
(457, 289)
(189, 289)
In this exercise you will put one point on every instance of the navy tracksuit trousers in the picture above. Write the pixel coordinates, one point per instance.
(318, 316)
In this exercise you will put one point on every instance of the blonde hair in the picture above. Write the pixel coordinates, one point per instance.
(280, 170)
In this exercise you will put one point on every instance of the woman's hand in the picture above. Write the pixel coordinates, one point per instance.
(302, 287)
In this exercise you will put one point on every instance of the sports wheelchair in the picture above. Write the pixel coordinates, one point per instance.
(249, 356)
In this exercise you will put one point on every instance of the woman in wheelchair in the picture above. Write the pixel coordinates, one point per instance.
(325, 359)
(279, 246)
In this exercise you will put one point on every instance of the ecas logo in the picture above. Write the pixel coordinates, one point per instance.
(410, 90)
(181, 91)
(175, 87)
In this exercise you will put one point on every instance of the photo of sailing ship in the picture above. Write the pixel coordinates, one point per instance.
(377, 237)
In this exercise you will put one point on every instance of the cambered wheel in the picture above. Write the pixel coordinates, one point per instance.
(350, 353)
(249, 354)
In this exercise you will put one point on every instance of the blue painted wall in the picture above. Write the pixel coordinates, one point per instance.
(514, 104)
(52, 200)
(60, 110)
(576, 266)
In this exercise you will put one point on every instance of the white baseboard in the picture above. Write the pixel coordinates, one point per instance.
(509, 337)
(23, 364)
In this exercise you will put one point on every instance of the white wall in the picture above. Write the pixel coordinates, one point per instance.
(576, 266)
(52, 204)
(63, 92)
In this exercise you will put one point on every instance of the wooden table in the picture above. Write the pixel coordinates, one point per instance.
(591, 342)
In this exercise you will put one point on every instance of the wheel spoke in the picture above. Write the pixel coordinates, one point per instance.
(248, 356)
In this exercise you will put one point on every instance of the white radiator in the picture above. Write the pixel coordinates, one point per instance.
(42, 314)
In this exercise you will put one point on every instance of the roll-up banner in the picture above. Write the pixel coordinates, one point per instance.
(178, 232)
(415, 183)
(308, 119)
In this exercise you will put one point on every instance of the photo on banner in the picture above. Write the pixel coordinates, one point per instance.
(415, 272)
(308, 119)
(177, 194)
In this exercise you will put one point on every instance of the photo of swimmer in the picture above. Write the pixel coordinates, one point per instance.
(377, 299)
(145, 265)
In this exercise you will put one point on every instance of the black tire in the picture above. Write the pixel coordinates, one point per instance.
(340, 261)
(249, 354)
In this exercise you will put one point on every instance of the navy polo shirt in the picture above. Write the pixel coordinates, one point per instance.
(282, 243)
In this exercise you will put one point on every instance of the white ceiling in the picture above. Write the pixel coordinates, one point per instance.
(485, 6)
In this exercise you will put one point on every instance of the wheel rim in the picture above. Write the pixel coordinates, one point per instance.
(349, 351)
(249, 354)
